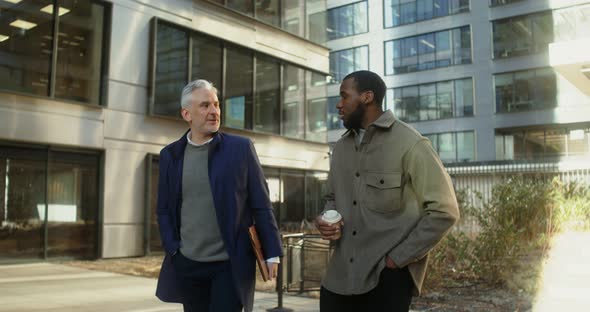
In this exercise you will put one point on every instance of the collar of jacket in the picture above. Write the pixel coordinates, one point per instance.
(180, 144)
(385, 121)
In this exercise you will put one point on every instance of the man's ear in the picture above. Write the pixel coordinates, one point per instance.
(186, 115)
(369, 97)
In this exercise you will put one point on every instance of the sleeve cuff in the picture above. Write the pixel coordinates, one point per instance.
(273, 260)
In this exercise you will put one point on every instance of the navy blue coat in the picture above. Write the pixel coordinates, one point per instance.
(240, 196)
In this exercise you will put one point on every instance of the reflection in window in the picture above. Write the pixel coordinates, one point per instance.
(207, 60)
(268, 11)
(400, 12)
(316, 110)
(347, 20)
(440, 100)
(523, 35)
(345, 62)
(80, 47)
(243, 6)
(171, 69)
(71, 212)
(525, 90)
(296, 196)
(334, 121)
(238, 98)
(503, 2)
(294, 95)
(454, 146)
(293, 15)
(550, 143)
(428, 51)
(268, 101)
(26, 42)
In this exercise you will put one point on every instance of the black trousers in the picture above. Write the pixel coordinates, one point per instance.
(206, 286)
(392, 294)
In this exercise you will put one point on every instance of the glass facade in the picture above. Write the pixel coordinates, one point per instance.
(439, 100)
(28, 48)
(289, 15)
(48, 203)
(348, 20)
(347, 61)
(401, 12)
(571, 23)
(522, 35)
(547, 143)
(503, 2)
(526, 90)
(454, 146)
(334, 121)
(296, 195)
(253, 94)
(428, 51)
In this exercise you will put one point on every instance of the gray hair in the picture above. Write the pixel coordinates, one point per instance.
(187, 91)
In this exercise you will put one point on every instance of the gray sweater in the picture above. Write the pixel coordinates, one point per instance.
(199, 231)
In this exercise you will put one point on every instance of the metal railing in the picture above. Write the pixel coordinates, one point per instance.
(305, 262)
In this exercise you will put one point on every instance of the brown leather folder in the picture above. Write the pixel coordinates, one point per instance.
(257, 247)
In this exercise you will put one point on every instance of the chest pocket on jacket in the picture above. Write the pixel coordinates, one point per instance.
(384, 191)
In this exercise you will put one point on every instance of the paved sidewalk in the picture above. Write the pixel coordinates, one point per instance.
(51, 287)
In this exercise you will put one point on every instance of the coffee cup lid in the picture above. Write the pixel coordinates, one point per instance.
(331, 216)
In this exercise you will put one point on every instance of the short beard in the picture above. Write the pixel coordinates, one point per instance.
(355, 120)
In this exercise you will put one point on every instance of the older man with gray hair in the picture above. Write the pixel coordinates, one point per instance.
(211, 190)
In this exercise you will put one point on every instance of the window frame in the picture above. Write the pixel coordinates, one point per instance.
(434, 17)
(455, 140)
(352, 4)
(221, 89)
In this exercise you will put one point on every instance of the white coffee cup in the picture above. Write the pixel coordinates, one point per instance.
(331, 216)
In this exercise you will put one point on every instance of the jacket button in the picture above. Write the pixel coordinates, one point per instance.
(354, 202)
(353, 233)
(351, 260)
(381, 181)
(358, 174)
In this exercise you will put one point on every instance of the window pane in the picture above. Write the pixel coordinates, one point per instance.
(318, 31)
(244, 6)
(410, 102)
(293, 17)
(504, 91)
(80, 56)
(22, 202)
(171, 69)
(522, 92)
(441, 7)
(427, 102)
(238, 98)
(459, 6)
(555, 143)
(26, 52)
(399, 105)
(578, 142)
(316, 187)
(542, 26)
(73, 205)
(464, 97)
(512, 37)
(425, 9)
(293, 109)
(408, 11)
(426, 51)
(268, 11)
(543, 89)
(393, 57)
(361, 18)
(446, 147)
(409, 49)
(347, 20)
(444, 99)
(334, 121)
(466, 146)
(292, 211)
(444, 55)
(316, 110)
(392, 13)
(462, 45)
(267, 105)
(207, 60)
